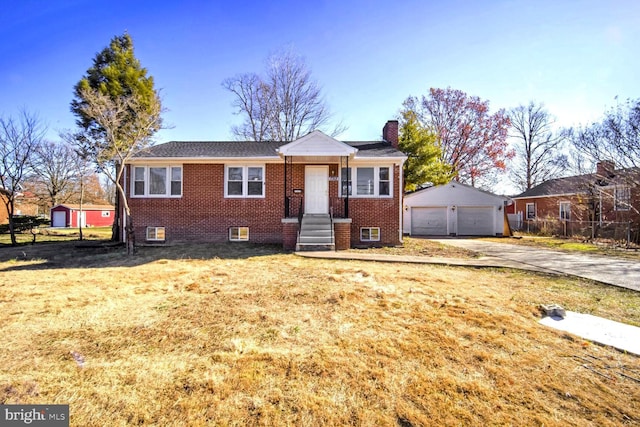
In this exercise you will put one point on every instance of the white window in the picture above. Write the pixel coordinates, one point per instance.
(157, 181)
(531, 211)
(371, 181)
(106, 214)
(370, 234)
(565, 211)
(155, 234)
(244, 181)
(239, 234)
(622, 197)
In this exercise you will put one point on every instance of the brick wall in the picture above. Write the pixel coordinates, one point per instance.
(203, 214)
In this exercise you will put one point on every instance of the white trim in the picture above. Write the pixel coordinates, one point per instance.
(240, 233)
(245, 181)
(376, 181)
(370, 239)
(568, 212)
(526, 211)
(316, 143)
(147, 181)
(155, 238)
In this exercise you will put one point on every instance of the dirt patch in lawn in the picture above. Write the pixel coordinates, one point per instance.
(245, 335)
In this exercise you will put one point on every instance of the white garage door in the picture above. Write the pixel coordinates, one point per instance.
(476, 221)
(429, 221)
(59, 219)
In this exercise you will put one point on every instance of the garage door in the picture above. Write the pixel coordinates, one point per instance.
(476, 221)
(429, 221)
(59, 219)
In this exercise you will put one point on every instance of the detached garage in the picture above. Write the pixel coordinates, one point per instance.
(453, 209)
(90, 216)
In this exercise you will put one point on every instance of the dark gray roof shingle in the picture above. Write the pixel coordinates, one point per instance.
(229, 149)
(580, 183)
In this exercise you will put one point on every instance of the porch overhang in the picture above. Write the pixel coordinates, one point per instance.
(316, 147)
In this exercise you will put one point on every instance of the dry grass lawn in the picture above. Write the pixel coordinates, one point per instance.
(241, 335)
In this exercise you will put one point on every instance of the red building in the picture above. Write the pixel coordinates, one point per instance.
(68, 215)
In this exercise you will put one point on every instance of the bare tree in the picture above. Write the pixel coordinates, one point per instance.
(127, 125)
(473, 141)
(283, 105)
(538, 155)
(616, 137)
(54, 172)
(19, 138)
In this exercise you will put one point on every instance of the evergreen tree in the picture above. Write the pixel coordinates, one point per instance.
(423, 165)
(118, 112)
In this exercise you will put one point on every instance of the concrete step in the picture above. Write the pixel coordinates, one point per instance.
(317, 239)
(314, 247)
(315, 232)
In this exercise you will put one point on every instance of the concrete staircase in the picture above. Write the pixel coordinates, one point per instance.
(316, 233)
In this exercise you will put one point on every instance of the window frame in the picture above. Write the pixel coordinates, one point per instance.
(526, 211)
(566, 211)
(155, 234)
(353, 172)
(622, 204)
(245, 181)
(239, 233)
(370, 229)
(146, 181)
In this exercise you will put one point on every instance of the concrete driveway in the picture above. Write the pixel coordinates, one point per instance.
(605, 269)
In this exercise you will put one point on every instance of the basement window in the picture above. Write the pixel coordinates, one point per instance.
(155, 234)
(239, 234)
(370, 234)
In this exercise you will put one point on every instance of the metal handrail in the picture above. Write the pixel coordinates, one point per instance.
(300, 215)
(333, 238)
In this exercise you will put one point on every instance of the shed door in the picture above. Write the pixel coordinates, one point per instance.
(429, 221)
(59, 219)
(476, 221)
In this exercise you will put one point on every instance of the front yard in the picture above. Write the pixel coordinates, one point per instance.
(242, 335)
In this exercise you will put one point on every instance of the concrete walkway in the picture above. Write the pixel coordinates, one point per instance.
(605, 269)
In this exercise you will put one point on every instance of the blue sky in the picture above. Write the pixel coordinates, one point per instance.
(575, 56)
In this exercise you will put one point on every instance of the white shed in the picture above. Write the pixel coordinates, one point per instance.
(453, 209)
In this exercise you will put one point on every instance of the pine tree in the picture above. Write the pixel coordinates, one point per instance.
(118, 112)
(423, 165)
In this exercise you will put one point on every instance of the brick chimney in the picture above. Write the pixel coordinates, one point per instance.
(606, 168)
(390, 133)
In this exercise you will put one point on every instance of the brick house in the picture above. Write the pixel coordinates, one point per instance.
(314, 192)
(584, 204)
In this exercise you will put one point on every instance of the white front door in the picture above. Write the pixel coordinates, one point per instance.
(316, 189)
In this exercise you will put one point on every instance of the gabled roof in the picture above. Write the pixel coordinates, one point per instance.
(452, 185)
(75, 207)
(316, 143)
(580, 183)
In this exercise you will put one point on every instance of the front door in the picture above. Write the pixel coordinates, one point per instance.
(316, 189)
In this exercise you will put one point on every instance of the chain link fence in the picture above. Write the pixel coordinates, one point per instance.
(626, 233)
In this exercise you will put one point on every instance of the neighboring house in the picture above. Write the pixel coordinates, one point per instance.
(454, 209)
(260, 191)
(68, 215)
(574, 204)
(24, 204)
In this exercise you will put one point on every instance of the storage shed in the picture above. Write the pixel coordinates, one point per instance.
(67, 215)
(453, 209)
